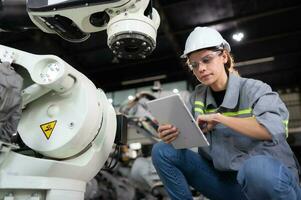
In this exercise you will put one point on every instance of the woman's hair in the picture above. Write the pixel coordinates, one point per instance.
(229, 65)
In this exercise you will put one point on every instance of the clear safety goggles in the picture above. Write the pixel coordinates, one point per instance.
(206, 60)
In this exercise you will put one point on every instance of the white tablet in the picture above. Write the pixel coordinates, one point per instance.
(172, 110)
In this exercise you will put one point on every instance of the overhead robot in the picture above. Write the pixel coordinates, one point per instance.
(131, 24)
(67, 123)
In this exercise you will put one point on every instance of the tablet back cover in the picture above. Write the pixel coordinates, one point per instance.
(172, 110)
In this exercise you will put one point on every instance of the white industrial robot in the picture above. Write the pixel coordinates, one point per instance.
(131, 24)
(65, 118)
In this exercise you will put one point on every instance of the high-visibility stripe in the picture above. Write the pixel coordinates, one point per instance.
(229, 114)
(199, 103)
(199, 110)
(285, 122)
(211, 110)
(240, 112)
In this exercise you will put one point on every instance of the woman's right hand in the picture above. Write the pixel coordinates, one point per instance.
(168, 133)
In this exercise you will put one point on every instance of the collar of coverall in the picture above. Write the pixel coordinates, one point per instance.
(231, 96)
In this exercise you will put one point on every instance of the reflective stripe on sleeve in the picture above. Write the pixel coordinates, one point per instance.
(231, 114)
(199, 103)
(199, 110)
(285, 122)
(211, 110)
(240, 112)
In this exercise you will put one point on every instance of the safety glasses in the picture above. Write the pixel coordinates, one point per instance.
(206, 60)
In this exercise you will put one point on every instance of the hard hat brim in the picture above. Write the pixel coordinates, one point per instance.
(225, 45)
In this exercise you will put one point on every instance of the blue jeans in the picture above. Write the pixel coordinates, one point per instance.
(259, 178)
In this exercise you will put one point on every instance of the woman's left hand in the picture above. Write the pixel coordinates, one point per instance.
(208, 121)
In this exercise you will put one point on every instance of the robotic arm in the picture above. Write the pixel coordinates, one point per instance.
(131, 24)
(60, 99)
(67, 120)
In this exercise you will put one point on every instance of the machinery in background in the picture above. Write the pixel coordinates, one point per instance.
(134, 178)
(131, 24)
(142, 126)
(144, 177)
(140, 120)
(110, 186)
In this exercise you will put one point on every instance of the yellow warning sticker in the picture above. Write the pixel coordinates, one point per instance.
(48, 128)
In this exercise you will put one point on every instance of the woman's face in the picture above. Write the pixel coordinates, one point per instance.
(208, 65)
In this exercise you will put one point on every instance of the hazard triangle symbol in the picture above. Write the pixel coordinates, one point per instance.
(48, 128)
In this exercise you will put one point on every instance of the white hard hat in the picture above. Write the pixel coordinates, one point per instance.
(204, 37)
